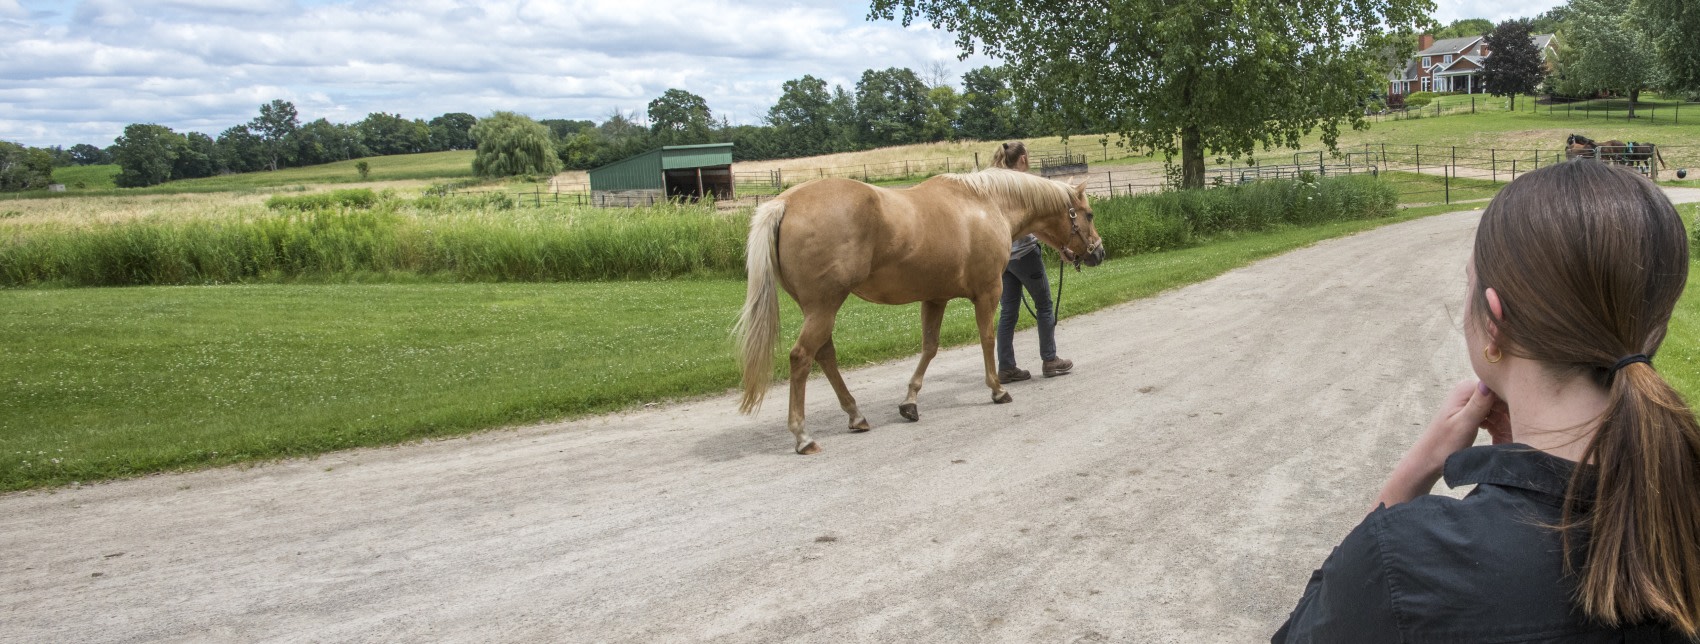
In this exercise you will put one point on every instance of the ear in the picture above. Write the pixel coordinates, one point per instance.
(1496, 308)
(1079, 186)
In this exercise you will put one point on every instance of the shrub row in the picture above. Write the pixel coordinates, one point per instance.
(355, 198)
(1163, 221)
(478, 238)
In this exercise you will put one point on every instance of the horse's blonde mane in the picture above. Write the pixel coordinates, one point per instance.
(1035, 194)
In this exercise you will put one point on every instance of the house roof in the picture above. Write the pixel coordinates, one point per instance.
(1449, 46)
(1542, 41)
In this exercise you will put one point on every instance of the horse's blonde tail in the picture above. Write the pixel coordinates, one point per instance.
(758, 327)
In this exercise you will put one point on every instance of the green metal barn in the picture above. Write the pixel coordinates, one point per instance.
(687, 172)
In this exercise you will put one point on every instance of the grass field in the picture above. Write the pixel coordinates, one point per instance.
(105, 383)
(417, 168)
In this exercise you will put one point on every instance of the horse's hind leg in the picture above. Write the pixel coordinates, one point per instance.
(828, 359)
(817, 332)
(932, 317)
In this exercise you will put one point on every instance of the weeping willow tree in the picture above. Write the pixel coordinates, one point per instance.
(512, 144)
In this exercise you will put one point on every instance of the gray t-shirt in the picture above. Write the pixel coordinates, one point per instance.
(1023, 246)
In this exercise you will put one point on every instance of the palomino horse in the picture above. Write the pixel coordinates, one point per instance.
(946, 238)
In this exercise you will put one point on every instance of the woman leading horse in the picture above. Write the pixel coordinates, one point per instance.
(946, 238)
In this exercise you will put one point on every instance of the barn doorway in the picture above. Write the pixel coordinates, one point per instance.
(692, 184)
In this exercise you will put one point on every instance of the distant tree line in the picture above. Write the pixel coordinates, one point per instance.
(892, 106)
(149, 154)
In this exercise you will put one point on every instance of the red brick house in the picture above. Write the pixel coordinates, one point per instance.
(1451, 65)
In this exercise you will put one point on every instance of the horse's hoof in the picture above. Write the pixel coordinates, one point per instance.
(859, 425)
(811, 448)
(909, 411)
(1002, 398)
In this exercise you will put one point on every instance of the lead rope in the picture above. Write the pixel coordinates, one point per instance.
(1056, 303)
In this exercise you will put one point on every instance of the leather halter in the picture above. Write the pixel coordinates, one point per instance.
(1074, 228)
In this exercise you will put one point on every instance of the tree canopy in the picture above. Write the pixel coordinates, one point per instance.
(1611, 50)
(1674, 28)
(1221, 75)
(24, 168)
(513, 144)
(1515, 66)
(678, 117)
(1464, 27)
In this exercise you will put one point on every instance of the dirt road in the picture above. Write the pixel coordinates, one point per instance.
(1214, 443)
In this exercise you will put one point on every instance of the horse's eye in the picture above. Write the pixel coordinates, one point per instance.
(1088, 216)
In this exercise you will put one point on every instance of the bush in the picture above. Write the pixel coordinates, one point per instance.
(353, 198)
(1176, 219)
(1396, 102)
(1418, 100)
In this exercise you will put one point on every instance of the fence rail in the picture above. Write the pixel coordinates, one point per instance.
(1420, 173)
(1647, 113)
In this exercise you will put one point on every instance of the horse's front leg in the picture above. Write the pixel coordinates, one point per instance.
(932, 317)
(985, 315)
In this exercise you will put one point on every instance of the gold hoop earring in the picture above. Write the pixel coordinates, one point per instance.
(1494, 357)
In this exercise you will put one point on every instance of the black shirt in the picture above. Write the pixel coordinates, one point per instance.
(1485, 568)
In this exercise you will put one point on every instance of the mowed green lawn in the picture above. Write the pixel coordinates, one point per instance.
(104, 383)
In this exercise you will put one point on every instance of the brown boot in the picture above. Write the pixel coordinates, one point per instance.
(1057, 367)
(1006, 376)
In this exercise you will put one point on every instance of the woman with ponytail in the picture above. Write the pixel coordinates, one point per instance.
(1584, 525)
(1026, 269)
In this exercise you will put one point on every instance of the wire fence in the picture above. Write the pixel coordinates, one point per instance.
(1419, 173)
(1605, 109)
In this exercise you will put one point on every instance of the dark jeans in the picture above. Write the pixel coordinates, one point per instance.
(1027, 272)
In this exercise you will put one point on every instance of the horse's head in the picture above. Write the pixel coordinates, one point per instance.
(1074, 233)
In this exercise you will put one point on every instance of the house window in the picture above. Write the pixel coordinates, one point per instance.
(1425, 84)
(1447, 61)
(1427, 62)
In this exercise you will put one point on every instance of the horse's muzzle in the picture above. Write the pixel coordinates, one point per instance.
(1095, 256)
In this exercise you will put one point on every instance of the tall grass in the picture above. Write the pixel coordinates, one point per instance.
(478, 238)
(1168, 220)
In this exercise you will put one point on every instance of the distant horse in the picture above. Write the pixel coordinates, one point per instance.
(1578, 146)
(946, 238)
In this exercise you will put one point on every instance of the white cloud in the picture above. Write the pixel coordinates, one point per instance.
(78, 72)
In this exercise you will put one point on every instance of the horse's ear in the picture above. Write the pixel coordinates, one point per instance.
(1079, 186)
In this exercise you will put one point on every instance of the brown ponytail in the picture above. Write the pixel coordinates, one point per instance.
(1643, 530)
(1590, 261)
(1007, 154)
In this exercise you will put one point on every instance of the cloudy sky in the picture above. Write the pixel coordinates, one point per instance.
(78, 71)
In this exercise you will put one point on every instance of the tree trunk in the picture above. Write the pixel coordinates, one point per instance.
(1192, 158)
(1634, 95)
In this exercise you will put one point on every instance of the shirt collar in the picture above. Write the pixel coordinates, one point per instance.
(1513, 465)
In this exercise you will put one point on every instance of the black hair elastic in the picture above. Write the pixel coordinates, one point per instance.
(1626, 361)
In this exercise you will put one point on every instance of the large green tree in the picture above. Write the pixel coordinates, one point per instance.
(986, 111)
(802, 117)
(384, 133)
(240, 150)
(452, 131)
(1674, 26)
(678, 117)
(146, 154)
(513, 144)
(23, 168)
(1515, 66)
(276, 127)
(1187, 77)
(891, 106)
(1611, 49)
